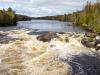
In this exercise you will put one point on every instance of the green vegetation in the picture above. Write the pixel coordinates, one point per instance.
(88, 18)
(7, 17)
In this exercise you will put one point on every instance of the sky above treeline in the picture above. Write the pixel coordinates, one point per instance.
(37, 8)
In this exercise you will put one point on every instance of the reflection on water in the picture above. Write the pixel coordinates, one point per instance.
(50, 25)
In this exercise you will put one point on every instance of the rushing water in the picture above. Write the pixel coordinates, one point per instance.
(23, 54)
(50, 25)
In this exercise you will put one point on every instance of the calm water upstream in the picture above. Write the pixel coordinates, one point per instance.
(49, 25)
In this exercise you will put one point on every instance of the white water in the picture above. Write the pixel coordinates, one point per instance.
(29, 56)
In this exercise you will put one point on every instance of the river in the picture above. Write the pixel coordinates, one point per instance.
(50, 25)
(23, 54)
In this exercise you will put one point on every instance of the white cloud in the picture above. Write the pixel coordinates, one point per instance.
(43, 7)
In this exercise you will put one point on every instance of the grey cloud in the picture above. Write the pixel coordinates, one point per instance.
(45, 7)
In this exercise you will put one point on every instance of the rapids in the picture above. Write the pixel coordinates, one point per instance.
(27, 56)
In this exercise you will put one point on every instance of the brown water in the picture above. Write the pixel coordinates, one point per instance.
(28, 56)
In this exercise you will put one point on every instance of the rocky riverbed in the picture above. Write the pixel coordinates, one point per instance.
(62, 54)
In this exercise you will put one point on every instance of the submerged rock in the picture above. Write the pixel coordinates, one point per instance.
(63, 38)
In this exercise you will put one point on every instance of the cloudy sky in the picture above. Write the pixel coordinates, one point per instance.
(43, 7)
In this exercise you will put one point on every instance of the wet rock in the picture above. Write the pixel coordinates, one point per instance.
(47, 36)
(97, 42)
(86, 42)
(2, 34)
(90, 43)
(7, 39)
(89, 34)
(98, 48)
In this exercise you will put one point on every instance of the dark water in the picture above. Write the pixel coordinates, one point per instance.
(50, 25)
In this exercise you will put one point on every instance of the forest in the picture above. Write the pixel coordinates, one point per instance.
(10, 18)
(7, 17)
(88, 17)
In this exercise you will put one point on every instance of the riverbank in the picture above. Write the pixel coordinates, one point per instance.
(25, 55)
(88, 17)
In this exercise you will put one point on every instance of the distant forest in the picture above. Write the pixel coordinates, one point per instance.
(89, 17)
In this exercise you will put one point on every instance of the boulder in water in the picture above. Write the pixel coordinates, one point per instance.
(97, 44)
(91, 43)
(89, 34)
(47, 36)
(86, 42)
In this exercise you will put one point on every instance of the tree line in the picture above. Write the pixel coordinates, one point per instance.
(7, 17)
(88, 18)
(10, 18)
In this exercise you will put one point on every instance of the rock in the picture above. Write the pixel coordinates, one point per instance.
(87, 43)
(4, 38)
(97, 47)
(91, 35)
(97, 41)
(97, 44)
(2, 34)
(91, 43)
(47, 36)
